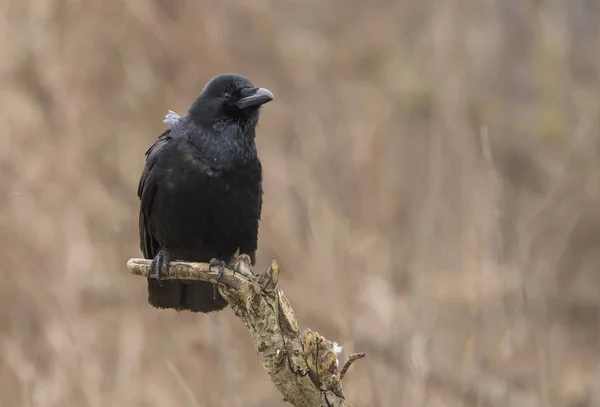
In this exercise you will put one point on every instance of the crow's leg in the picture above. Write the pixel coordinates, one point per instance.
(160, 261)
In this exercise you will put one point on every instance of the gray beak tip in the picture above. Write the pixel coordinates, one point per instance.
(259, 97)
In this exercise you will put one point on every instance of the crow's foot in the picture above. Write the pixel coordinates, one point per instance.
(160, 261)
(216, 262)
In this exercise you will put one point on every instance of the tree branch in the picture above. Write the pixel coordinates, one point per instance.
(303, 366)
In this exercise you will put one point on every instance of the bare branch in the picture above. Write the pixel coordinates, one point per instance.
(303, 366)
(351, 359)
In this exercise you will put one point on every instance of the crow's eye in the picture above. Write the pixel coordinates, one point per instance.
(226, 95)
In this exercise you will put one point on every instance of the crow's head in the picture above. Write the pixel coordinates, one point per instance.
(229, 98)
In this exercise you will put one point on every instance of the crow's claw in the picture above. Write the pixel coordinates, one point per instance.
(155, 267)
(216, 262)
(160, 261)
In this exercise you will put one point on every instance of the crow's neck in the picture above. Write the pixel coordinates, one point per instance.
(229, 144)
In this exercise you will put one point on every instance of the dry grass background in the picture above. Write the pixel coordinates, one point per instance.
(431, 192)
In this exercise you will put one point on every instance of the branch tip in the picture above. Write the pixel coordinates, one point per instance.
(351, 359)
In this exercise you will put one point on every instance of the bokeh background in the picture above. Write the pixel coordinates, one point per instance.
(432, 193)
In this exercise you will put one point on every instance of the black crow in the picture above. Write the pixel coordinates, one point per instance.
(201, 190)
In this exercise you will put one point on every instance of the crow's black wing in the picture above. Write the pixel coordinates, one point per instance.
(146, 191)
(254, 199)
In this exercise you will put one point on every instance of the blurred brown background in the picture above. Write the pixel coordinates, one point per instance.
(431, 192)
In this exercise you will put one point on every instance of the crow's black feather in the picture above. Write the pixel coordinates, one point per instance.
(201, 190)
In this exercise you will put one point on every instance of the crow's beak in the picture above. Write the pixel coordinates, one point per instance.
(254, 97)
